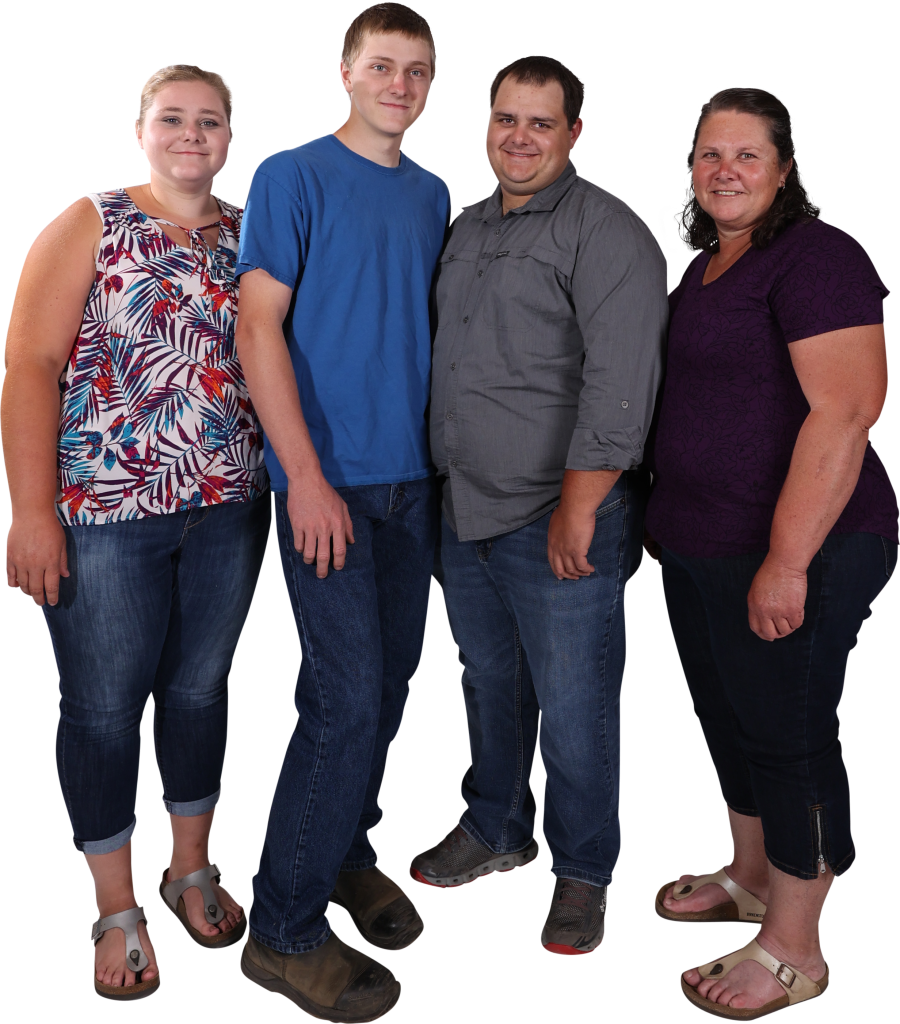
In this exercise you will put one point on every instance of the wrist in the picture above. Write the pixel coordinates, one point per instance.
(786, 561)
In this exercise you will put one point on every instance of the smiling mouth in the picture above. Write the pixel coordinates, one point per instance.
(725, 192)
(395, 106)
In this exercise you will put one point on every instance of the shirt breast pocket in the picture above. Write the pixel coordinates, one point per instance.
(525, 287)
(456, 275)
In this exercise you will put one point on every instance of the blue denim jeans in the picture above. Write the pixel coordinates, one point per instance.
(531, 643)
(153, 605)
(361, 632)
(769, 709)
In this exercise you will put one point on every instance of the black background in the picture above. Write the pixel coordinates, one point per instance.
(480, 956)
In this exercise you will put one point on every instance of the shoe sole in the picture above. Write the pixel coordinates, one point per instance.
(123, 992)
(557, 947)
(273, 984)
(503, 862)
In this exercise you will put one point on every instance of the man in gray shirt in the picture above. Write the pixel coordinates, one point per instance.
(551, 304)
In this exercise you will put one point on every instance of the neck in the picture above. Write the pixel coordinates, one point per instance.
(368, 142)
(513, 202)
(180, 203)
(732, 242)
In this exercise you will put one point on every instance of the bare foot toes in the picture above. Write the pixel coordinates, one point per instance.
(110, 963)
(193, 903)
(709, 895)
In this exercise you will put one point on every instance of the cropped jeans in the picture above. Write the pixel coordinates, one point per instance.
(151, 606)
(769, 709)
(361, 631)
(532, 644)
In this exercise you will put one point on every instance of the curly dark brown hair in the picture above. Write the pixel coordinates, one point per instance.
(790, 204)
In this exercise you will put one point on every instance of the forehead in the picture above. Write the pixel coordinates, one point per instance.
(735, 128)
(189, 95)
(514, 97)
(395, 46)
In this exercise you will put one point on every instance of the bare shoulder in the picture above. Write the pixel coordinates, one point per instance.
(77, 228)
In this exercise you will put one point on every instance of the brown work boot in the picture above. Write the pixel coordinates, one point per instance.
(380, 910)
(458, 858)
(332, 982)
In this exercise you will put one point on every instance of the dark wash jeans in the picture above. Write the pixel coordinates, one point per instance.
(153, 605)
(769, 709)
(361, 632)
(531, 643)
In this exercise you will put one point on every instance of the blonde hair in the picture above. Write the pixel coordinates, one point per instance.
(182, 73)
(385, 18)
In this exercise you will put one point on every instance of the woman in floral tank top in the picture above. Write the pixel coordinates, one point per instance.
(140, 504)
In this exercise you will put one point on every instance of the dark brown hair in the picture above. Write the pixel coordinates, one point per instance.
(539, 71)
(385, 18)
(790, 204)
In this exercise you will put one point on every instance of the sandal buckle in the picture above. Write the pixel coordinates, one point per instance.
(785, 975)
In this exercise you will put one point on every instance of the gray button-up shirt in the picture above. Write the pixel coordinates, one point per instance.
(548, 351)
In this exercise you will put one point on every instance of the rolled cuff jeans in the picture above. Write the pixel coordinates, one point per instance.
(153, 605)
(361, 631)
(769, 708)
(531, 643)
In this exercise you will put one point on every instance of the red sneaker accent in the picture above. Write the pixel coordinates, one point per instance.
(419, 877)
(557, 947)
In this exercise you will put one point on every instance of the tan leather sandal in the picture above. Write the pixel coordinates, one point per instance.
(797, 987)
(744, 905)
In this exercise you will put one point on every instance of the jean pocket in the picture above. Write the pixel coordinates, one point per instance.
(611, 507)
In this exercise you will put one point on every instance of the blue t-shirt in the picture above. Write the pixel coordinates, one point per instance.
(358, 244)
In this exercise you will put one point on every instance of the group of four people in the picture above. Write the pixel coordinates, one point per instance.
(535, 330)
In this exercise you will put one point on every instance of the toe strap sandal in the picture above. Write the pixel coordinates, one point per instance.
(744, 905)
(135, 957)
(173, 896)
(797, 987)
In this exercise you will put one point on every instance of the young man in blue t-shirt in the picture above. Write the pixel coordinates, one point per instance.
(338, 247)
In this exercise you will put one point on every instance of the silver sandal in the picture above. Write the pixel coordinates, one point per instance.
(172, 893)
(135, 957)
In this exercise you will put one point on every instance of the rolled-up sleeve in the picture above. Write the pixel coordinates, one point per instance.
(619, 295)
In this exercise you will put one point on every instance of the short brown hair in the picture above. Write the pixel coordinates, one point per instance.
(182, 73)
(539, 71)
(385, 18)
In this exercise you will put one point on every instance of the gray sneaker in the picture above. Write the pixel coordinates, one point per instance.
(459, 858)
(575, 922)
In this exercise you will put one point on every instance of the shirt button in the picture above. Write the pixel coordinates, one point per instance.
(454, 463)
(451, 256)
(624, 405)
(465, 319)
(449, 415)
(480, 272)
(497, 232)
(453, 366)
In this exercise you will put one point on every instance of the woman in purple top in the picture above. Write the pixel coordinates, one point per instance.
(769, 498)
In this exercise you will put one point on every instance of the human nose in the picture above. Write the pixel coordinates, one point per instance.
(398, 84)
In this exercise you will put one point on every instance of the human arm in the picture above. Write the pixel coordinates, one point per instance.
(619, 294)
(843, 375)
(319, 516)
(46, 319)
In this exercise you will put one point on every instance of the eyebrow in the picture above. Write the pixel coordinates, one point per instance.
(391, 60)
(531, 117)
(181, 110)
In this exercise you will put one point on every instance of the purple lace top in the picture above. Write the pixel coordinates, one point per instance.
(732, 407)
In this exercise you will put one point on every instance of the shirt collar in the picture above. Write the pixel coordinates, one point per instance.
(541, 201)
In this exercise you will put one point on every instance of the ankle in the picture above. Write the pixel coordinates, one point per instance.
(752, 876)
(800, 951)
(184, 862)
(115, 901)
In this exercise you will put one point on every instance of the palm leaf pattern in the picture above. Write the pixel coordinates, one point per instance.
(155, 415)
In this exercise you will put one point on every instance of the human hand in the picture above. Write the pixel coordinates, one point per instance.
(569, 539)
(36, 557)
(652, 547)
(776, 600)
(321, 523)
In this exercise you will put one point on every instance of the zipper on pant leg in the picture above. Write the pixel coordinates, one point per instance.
(819, 835)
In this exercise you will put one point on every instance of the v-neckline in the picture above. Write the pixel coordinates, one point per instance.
(156, 221)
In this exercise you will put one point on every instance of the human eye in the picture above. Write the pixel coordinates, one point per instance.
(541, 124)
(749, 156)
(416, 72)
(379, 67)
(209, 123)
(171, 119)
(711, 155)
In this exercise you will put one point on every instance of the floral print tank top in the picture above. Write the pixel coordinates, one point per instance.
(155, 415)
